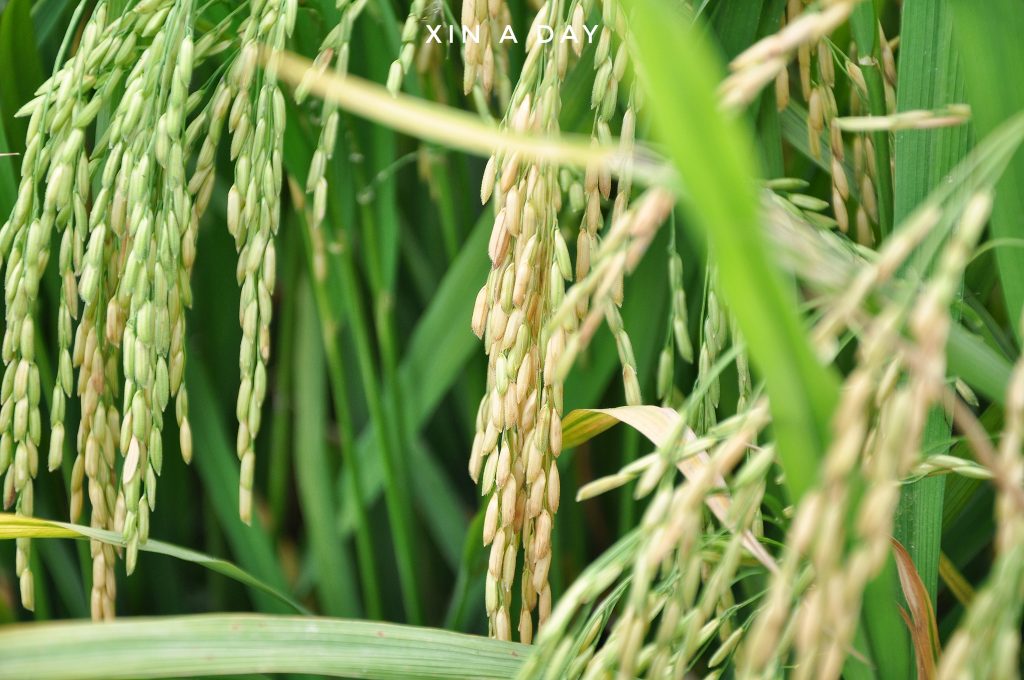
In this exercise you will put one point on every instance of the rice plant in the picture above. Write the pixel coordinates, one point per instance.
(552, 339)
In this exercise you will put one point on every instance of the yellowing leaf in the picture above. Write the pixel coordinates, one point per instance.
(657, 424)
(16, 526)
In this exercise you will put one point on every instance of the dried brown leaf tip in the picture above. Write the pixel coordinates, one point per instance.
(919, 614)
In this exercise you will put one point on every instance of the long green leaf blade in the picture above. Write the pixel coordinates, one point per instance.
(231, 644)
(17, 526)
(988, 36)
(929, 78)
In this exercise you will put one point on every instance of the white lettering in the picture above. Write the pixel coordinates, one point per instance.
(508, 34)
(542, 34)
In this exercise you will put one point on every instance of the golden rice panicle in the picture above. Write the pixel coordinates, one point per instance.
(872, 447)
(610, 64)
(97, 355)
(483, 22)
(65, 106)
(987, 643)
(794, 8)
(99, 334)
(97, 447)
(840, 182)
(521, 428)
(628, 238)
(503, 449)
(611, 61)
(822, 101)
(617, 254)
(767, 59)
(864, 170)
(744, 382)
(671, 577)
(519, 432)
(624, 347)
(208, 126)
(253, 216)
(791, 619)
(878, 432)
(127, 258)
(818, 532)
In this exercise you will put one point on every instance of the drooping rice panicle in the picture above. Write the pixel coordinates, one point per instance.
(483, 24)
(335, 48)
(256, 121)
(519, 421)
(410, 31)
(126, 253)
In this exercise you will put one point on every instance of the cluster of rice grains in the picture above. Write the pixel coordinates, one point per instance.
(653, 604)
(816, 66)
(334, 49)
(811, 606)
(669, 582)
(254, 213)
(126, 254)
(878, 442)
(987, 645)
(529, 331)
(486, 63)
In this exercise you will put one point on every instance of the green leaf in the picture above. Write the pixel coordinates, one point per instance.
(929, 78)
(231, 644)
(736, 22)
(17, 526)
(8, 178)
(341, 264)
(335, 576)
(20, 69)
(988, 35)
(218, 468)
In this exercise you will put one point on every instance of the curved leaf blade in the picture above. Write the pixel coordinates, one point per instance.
(658, 423)
(16, 526)
(231, 644)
